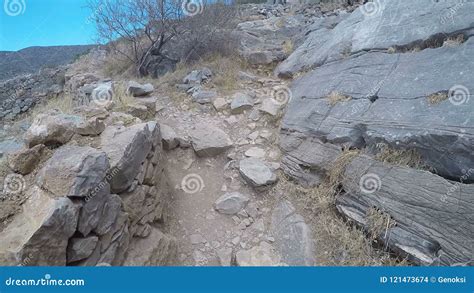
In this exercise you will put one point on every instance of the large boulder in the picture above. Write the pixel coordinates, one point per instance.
(52, 128)
(208, 140)
(38, 236)
(127, 149)
(73, 171)
(420, 214)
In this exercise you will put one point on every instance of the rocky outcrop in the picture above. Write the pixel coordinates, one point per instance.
(428, 218)
(379, 26)
(91, 206)
(374, 80)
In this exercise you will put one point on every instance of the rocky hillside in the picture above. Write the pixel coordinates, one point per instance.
(32, 59)
(334, 124)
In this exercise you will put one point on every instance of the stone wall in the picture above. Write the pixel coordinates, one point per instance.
(19, 94)
(90, 206)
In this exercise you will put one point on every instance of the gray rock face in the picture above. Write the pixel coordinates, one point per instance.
(431, 218)
(158, 249)
(388, 24)
(240, 103)
(51, 128)
(292, 236)
(197, 77)
(138, 90)
(209, 141)
(39, 235)
(257, 173)
(168, 137)
(81, 248)
(127, 148)
(231, 203)
(307, 159)
(73, 171)
(401, 116)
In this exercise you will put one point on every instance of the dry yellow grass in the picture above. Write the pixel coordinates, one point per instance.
(437, 98)
(454, 41)
(336, 97)
(400, 157)
(378, 223)
(225, 72)
(64, 103)
(288, 47)
(338, 242)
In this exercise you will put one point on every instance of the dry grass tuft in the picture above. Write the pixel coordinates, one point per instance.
(288, 47)
(378, 222)
(392, 50)
(405, 158)
(225, 70)
(454, 41)
(352, 247)
(63, 103)
(336, 97)
(437, 98)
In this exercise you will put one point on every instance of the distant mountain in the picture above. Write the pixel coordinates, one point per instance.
(32, 59)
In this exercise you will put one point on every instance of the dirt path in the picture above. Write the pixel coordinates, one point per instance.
(207, 237)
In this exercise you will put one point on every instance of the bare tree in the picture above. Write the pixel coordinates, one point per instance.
(147, 32)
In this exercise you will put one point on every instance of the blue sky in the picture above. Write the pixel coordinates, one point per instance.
(44, 23)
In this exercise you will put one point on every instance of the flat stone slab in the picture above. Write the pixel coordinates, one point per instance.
(257, 173)
(209, 141)
(292, 236)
